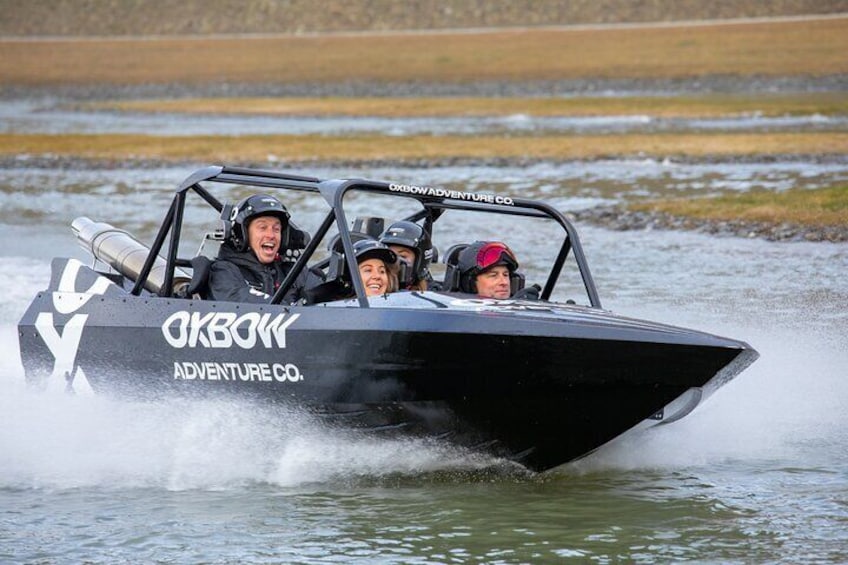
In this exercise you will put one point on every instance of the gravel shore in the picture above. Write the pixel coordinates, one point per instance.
(611, 217)
(485, 89)
(615, 217)
(619, 218)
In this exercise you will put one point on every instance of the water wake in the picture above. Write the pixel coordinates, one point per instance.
(789, 408)
(56, 440)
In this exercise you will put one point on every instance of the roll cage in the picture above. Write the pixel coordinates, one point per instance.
(434, 201)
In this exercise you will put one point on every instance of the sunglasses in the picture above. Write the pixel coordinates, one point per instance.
(494, 252)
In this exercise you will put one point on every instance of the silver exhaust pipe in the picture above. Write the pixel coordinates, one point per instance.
(123, 253)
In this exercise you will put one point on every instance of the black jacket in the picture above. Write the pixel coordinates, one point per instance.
(239, 277)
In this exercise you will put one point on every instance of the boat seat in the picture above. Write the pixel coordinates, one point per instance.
(335, 244)
(516, 287)
(333, 267)
(198, 286)
(334, 285)
(294, 242)
(210, 245)
(451, 281)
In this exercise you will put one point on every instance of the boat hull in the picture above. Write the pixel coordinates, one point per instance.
(538, 383)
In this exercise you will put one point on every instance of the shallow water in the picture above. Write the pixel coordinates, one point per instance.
(759, 473)
(52, 117)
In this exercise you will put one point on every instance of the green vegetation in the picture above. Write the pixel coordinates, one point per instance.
(819, 207)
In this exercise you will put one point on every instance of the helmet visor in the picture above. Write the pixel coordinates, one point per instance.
(496, 253)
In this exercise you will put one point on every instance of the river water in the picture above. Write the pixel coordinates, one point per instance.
(759, 473)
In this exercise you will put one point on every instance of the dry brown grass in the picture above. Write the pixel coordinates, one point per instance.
(824, 103)
(369, 147)
(803, 48)
(821, 207)
(813, 47)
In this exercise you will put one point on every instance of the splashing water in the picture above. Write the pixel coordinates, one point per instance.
(57, 440)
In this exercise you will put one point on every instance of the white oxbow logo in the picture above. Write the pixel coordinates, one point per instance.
(226, 329)
(64, 346)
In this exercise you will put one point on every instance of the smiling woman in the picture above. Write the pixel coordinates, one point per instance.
(376, 267)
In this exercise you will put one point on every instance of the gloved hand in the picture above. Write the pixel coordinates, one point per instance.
(528, 292)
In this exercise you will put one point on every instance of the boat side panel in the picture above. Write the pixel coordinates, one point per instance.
(539, 392)
(543, 401)
(176, 345)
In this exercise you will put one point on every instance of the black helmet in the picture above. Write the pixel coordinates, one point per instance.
(480, 256)
(410, 234)
(373, 249)
(249, 208)
(338, 281)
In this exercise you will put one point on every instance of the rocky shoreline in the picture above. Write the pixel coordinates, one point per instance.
(619, 218)
(714, 84)
(614, 217)
(611, 217)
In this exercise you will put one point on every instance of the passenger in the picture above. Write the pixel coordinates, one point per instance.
(411, 243)
(487, 269)
(248, 267)
(376, 264)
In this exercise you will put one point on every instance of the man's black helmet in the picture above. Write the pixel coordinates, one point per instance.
(249, 208)
(480, 256)
(410, 234)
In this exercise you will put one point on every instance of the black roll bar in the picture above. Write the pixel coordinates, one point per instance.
(333, 192)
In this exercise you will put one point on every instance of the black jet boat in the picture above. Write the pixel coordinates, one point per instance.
(540, 382)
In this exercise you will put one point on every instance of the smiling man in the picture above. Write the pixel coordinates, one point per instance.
(249, 267)
(486, 269)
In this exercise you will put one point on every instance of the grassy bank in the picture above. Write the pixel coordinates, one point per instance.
(694, 54)
(705, 106)
(820, 208)
(260, 148)
(772, 49)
